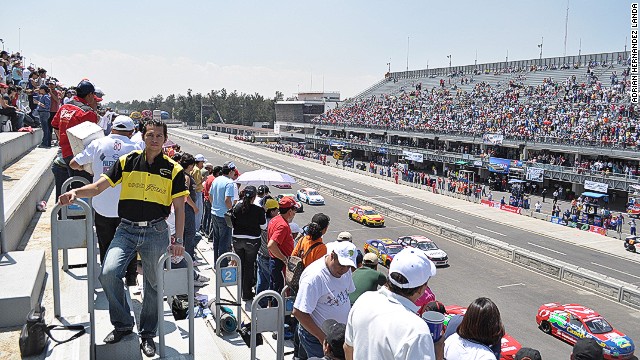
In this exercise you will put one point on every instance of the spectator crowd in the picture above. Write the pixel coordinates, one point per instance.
(572, 110)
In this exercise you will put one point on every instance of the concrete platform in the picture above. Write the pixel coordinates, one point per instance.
(15, 144)
(22, 276)
(24, 189)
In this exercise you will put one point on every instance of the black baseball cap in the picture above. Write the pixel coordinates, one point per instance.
(85, 88)
(263, 189)
(526, 353)
(334, 336)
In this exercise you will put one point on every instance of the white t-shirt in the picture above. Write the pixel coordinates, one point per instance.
(25, 74)
(102, 154)
(457, 348)
(323, 295)
(383, 325)
(137, 138)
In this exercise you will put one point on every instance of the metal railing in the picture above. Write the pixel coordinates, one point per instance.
(170, 282)
(73, 234)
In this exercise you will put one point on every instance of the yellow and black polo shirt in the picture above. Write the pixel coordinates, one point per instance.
(147, 190)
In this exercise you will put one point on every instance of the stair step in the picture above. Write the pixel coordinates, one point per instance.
(22, 276)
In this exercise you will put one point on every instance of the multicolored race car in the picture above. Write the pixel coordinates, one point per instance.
(571, 322)
(508, 345)
(366, 215)
(385, 249)
(434, 253)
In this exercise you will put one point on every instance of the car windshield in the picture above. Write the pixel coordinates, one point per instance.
(425, 245)
(313, 193)
(393, 249)
(370, 212)
(599, 326)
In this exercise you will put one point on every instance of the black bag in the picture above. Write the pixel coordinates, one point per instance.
(35, 333)
(295, 267)
(180, 306)
(245, 334)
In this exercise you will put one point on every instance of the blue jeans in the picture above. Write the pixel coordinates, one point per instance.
(277, 276)
(44, 123)
(199, 205)
(221, 235)
(264, 277)
(310, 346)
(150, 242)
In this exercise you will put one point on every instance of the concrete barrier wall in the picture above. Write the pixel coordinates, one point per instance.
(493, 246)
(630, 296)
(591, 281)
(537, 262)
(460, 236)
(15, 144)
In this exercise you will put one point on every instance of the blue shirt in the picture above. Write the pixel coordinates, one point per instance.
(45, 100)
(221, 188)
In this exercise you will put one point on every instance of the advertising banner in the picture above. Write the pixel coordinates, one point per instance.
(511, 209)
(492, 139)
(417, 157)
(596, 186)
(498, 165)
(598, 230)
(535, 174)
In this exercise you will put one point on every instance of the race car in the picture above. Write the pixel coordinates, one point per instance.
(298, 204)
(366, 215)
(205, 136)
(631, 242)
(434, 253)
(283, 186)
(508, 345)
(385, 249)
(571, 322)
(310, 196)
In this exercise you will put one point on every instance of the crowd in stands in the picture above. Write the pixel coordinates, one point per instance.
(572, 110)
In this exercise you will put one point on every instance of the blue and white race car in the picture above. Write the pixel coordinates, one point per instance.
(310, 196)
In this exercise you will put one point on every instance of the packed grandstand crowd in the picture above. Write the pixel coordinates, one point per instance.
(263, 237)
(584, 110)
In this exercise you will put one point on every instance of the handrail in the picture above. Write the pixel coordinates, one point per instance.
(176, 289)
(68, 242)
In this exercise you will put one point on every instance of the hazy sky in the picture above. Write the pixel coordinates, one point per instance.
(138, 49)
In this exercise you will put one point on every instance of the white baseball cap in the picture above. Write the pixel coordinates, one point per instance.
(199, 157)
(346, 252)
(344, 236)
(122, 123)
(414, 265)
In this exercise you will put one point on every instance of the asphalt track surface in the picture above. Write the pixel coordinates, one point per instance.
(518, 292)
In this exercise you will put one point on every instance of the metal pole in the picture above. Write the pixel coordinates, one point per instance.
(200, 112)
(407, 53)
(3, 245)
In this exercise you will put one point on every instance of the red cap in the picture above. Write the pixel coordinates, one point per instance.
(98, 99)
(2, 85)
(287, 202)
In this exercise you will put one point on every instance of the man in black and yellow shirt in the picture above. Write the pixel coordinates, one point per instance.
(151, 183)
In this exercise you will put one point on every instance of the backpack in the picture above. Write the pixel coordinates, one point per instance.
(35, 333)
(295, 267)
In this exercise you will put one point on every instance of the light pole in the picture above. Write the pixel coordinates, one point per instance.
(540, 46)
(449, 56)
(389, 67)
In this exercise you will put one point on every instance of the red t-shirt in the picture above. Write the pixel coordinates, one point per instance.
(207, 186)
(280, 232)
(68, 116)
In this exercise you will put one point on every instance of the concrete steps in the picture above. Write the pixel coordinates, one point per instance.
(22, 275)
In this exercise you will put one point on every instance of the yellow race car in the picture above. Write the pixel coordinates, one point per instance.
(366, 215)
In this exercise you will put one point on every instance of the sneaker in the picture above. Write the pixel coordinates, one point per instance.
(199, 283)
(198, 263)
(202, 278)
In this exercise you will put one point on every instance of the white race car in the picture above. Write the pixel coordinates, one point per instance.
(310, 196)
(434, 253)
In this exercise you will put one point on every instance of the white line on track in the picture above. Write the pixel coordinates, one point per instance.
(491, 231)
(384, 197)
(415, 207)
(320, 177)
(612, 269)
(302, 172)
(448, 218)
(337, 183)
(359, 190)
(546, 248)
(510, 285)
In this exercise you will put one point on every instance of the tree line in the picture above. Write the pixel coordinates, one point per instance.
(234, 108)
